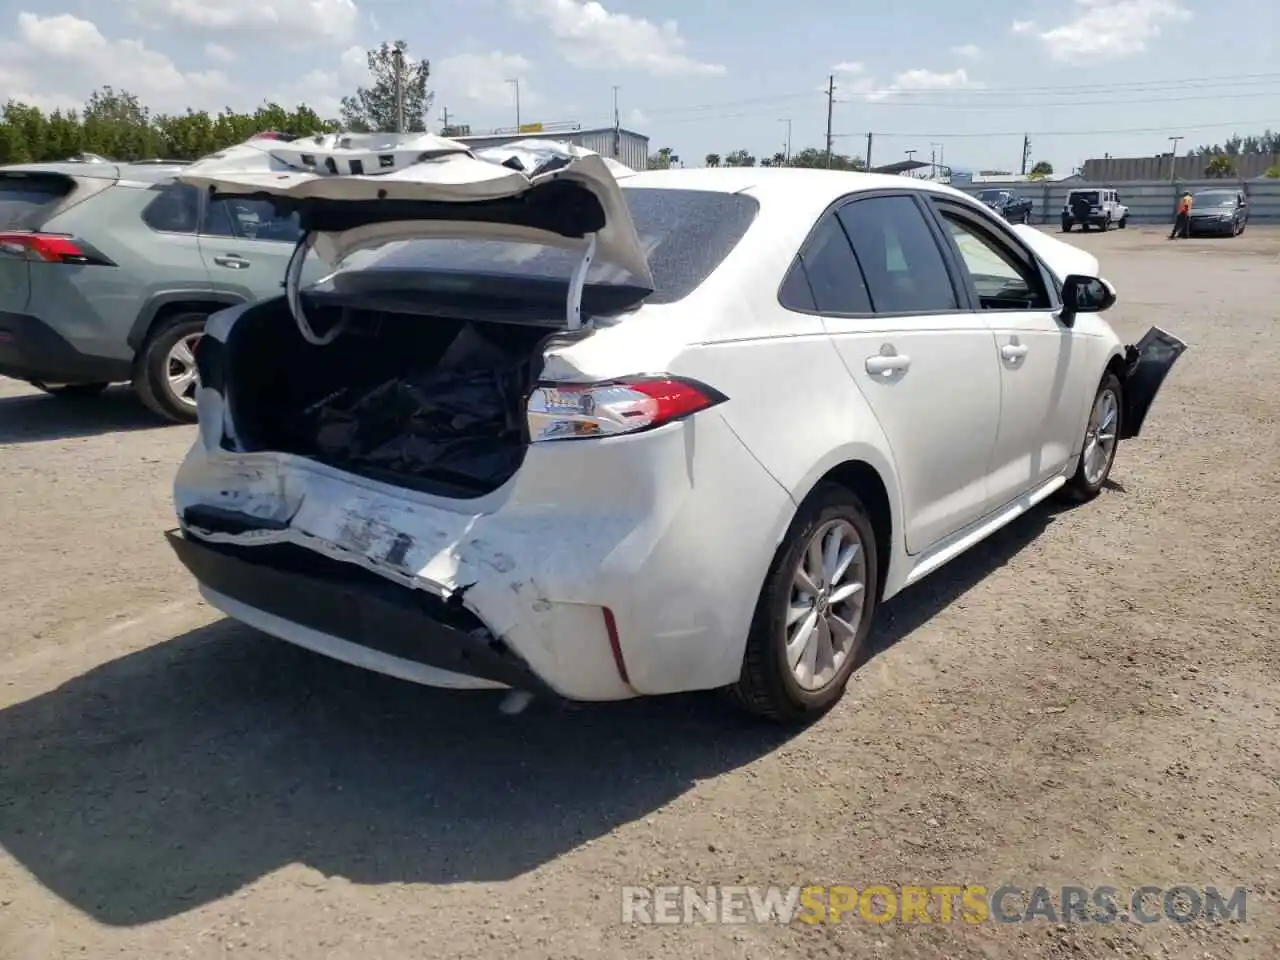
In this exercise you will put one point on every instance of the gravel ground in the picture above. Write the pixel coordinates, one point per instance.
(1088, 698)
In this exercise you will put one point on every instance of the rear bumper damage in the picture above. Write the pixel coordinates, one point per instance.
(407, 629)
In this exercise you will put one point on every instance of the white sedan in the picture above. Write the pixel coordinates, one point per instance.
(558, 430)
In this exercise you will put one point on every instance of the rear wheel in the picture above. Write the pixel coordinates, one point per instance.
(1124, 221)
(815, 611)
(71, 391)
(1066, 225)
(165, 373)
(1101, 438)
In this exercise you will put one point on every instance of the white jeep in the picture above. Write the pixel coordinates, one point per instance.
(1095, 207)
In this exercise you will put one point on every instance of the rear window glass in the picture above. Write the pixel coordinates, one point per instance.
(1088, 196)
(686, 234)
(25, 200)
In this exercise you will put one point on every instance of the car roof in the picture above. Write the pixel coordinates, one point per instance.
(791, 184)
(147, 172)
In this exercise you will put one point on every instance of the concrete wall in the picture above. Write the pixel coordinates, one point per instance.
(1247, 166)
(1149, 201)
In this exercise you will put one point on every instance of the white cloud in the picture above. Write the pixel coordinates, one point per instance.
(1107, 29)
(483, 79)
(218, 53)
(915, 81)
(591, 36)
(968, 51)
(59, 60)
(636, 118)
(294, 23)
(848, 66)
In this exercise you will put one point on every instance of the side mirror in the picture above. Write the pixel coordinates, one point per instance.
(1081, 294)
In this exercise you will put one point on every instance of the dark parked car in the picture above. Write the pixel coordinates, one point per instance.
(1221, 213)
(1009, 205)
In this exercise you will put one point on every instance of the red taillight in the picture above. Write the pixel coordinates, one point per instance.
(50, 248)
(568, 411)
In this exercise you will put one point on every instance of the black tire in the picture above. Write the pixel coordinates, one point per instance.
(151, 373)
(71, 391)
(767, 686)
(1066, 226)
(1078, 489)
(1124, 221)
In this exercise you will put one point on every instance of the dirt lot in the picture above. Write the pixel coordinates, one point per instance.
(1090, 698)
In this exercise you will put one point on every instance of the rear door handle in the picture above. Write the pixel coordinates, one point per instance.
(1013, 351)
(232, 260)
(888, 364)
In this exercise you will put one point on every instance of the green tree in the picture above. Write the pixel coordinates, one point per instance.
(662, 160)
(1220, 166)
(739, 158)
(712, 160)
(812, 157)
(373, 108)
(1273, 172)
(1042, 169)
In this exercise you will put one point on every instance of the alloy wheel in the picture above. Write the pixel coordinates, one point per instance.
(180, 366)
(826, 605)
(1100, 437)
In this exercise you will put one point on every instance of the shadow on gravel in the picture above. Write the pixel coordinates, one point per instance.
(33, 417)
(174, 776)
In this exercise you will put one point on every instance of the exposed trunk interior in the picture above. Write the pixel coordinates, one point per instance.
(424, 402)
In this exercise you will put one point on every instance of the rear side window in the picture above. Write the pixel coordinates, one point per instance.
(901, 261)
(175, 208)
(27, 200)
(835, 282)
(686, 234)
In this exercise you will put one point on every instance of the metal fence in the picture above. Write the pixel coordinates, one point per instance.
(1149, 201)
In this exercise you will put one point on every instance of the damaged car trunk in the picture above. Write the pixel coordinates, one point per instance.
(428, 403)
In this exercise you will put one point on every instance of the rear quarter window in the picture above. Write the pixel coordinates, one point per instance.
(27, 200)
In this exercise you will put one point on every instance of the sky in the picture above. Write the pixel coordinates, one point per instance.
(965, 81)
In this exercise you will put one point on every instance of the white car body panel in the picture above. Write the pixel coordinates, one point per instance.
(673, 530)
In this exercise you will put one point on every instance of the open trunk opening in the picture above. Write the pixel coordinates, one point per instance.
(424, 402)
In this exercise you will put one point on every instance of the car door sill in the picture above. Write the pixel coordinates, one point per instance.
(979, 530)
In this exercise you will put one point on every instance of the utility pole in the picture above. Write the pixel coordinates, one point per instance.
(787, 153)
(1026, 153)
(444, 120)
(936, 158)
(617, 126)
(397, 61)
(1173, 158)
(867, 162)
(831, 102)
(516, 83)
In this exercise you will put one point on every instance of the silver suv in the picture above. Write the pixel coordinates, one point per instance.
(108, 272)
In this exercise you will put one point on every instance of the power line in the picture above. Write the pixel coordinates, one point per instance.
(1237, 124)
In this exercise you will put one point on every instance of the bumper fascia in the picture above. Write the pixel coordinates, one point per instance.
(32, 350)
(382, 617)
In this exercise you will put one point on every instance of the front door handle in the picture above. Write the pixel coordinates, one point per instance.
(232, 260)
(1013, 351)
(888, 364)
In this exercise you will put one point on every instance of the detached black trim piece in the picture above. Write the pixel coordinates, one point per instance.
(355, 605)
(559, 206)
(1149, 362)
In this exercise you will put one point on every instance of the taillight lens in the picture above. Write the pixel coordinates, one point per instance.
(51, 248)
(578, 411)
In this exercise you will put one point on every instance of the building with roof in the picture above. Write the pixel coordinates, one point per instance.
(626, 146)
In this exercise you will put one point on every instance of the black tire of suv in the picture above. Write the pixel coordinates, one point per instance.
(1066, 225)
(766, 687)
(1124, 221)
(150, 370)
(71, 391)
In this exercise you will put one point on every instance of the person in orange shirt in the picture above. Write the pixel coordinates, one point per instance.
(1182, 222)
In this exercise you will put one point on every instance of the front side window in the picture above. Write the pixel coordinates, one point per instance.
(904, 268)
(1002, 279)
